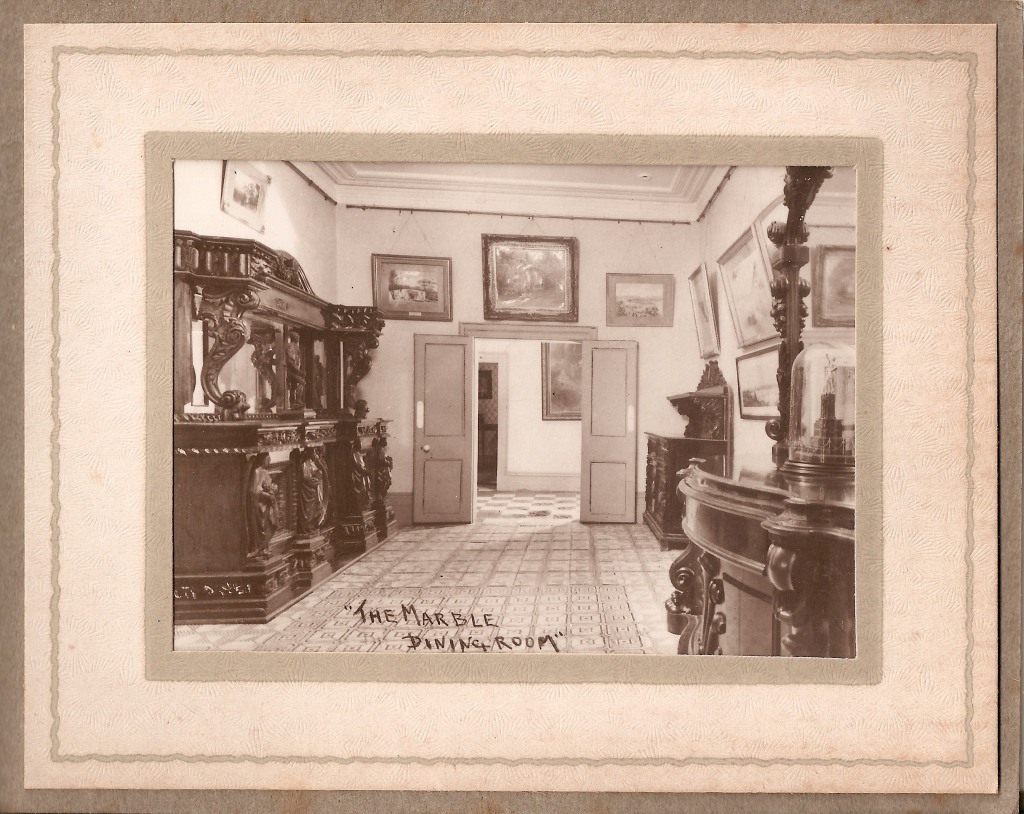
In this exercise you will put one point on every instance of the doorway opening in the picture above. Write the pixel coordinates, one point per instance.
(528, 447)
(487, 426)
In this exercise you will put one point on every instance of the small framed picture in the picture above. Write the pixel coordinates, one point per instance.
(561, 381)
(531, 278)
(704, 313)
(406, 287)
(747, 281)
(640, 300)
(756, 383)
(834, 286)
(244, 193)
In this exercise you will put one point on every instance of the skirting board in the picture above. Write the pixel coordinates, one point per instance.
(401, 502)
(537, 482)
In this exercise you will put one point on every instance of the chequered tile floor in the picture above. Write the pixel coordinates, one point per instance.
(527, 576)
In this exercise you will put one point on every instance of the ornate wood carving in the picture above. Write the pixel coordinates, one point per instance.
(789, 289)
(263, 508)
(264, 359)
(314, 490)
(221, 310)
(708, 408)
(236, 257)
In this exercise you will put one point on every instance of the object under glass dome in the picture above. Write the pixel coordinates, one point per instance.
(823, 408)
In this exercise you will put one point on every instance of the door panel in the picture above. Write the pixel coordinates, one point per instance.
(607, 488)
(444, 391)
(608, 407)
(608, 470)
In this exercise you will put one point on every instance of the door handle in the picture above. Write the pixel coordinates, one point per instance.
(425, 447)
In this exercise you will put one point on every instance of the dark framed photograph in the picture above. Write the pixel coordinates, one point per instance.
(747, 279)
(531, 278)
(562, 381)
(406, 287)
(704, 315)
(756, 384)
(640, 300)
(834, 286)
(243, 193)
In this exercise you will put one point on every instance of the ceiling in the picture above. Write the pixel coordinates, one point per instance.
(674, 193)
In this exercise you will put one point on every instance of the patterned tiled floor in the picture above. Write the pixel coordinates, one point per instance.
(526, 577)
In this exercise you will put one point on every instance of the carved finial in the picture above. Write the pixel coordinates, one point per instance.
(798, 193)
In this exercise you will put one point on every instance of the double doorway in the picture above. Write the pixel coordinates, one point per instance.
(458, 436)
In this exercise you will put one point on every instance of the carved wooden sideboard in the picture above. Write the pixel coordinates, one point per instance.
(708, 436)
(280, 478)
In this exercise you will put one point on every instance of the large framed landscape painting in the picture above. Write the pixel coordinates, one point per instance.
(531, 278)
(640, 300)
(406, 287)
(562, 374)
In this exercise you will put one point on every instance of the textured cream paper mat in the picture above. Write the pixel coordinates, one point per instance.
(92, 718)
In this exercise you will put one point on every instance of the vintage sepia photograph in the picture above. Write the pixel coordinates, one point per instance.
(512, 416)
(481, 513)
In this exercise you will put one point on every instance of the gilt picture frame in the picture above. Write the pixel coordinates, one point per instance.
(562, 381)
(833, 286)
(640, 300)
(757, 388)
(705, 317)
(528, 277)
(747, 280)
(412, 287)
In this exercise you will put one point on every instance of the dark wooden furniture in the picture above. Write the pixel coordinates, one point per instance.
(708, 436)
(769, 569)
(280, 478)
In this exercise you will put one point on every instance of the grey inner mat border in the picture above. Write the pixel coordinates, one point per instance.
(164, 663)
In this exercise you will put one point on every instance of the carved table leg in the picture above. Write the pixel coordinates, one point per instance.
(800, 599)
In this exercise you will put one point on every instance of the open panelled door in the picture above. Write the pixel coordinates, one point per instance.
(444, 395)
(609, 398)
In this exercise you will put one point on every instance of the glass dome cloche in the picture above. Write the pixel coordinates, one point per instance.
(823, 410)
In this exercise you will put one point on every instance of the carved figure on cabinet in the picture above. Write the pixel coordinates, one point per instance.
(361, 479)
(296, 375)
(264, 519)
(319, 377)
(313, 492)
(264, 359)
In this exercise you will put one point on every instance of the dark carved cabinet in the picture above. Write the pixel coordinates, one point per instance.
(707, 436)
(280, 477)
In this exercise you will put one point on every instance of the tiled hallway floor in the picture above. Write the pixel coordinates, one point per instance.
(527, 576)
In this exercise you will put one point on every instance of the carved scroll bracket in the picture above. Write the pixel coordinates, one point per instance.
(221, 309)
(693, 607)
(359, 329)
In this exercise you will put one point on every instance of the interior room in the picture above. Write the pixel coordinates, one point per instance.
(487, 408)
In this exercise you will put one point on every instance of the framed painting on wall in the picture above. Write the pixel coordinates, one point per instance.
(756, 385)
(640, 300)
(406, 287)
(531, 277)
(561, 381)
(747, 287)
(833, 286)
(243, 193)
(704, 315)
